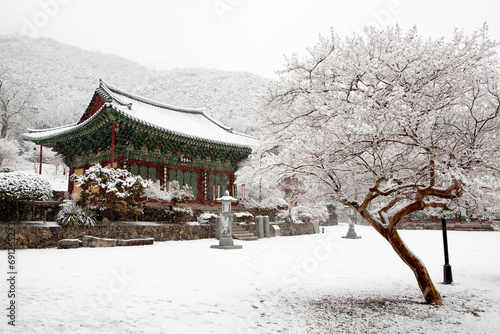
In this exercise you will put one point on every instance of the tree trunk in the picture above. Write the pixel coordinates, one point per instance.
(3, 131)
(429, 291)
(431, 295)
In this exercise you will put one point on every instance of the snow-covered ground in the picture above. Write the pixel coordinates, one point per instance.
(304, 284)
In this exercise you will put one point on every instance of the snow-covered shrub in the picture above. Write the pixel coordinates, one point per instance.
(176, 194)
(155, 192)
(175, 212)
(72, 215)
(244, 217)
(23, 187)
(285, 216)
(206, 217)
(268, 203)
(180, 195)
(302, 213)
(109, 186)
(308, 213)
(17, 190)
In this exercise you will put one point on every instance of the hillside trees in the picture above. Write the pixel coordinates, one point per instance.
(14, 103)
(64, 77)
(8, 151)
(389, 124)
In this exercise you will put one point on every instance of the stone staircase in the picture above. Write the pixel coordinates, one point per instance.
(241, 234)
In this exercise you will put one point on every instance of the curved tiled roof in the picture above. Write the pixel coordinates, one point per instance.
(185, 122)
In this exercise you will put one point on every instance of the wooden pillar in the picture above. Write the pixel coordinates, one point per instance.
(112, 144)
(40, 169)
(71, 184)
(231, 184)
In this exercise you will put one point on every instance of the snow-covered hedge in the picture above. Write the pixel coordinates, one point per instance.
(23, 187)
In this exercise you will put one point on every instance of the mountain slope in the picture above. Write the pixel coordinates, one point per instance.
(63, 79)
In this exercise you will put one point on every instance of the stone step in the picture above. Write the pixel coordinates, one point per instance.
(245, 237)
(239, 230)
(241, 234)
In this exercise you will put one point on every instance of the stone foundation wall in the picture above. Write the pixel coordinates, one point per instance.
(452, 226)
(289, 229)
(44, 237)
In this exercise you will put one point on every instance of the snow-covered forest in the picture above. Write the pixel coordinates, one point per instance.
(55, 82)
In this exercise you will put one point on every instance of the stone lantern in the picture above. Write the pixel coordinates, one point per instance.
(351, 233)
(226, 201)
(226, 219)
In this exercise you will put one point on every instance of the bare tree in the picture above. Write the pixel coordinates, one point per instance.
(8, 151)
(13, 103)
(410, 124)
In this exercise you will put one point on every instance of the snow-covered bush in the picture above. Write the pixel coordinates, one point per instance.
(267, 203)
(286, 216)
(155, 192)
(308, 213)
(23, 187)
(17, 190)
(206, 217)
(180, 195)
(175, 212)
(109, 186)
(176, 194)
(244, 217)
(72, 215)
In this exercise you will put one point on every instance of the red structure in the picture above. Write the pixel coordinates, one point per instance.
(160, 142)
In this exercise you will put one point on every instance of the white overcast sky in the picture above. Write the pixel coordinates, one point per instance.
(237, 35)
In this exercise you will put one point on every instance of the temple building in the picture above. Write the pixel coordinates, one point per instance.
(160, 142)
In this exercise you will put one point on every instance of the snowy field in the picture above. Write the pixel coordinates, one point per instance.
(304, 284)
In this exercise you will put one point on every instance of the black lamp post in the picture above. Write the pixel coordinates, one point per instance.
(447, 278)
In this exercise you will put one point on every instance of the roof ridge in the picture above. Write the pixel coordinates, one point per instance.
(216, 122)
(110, 89)
(54, 128)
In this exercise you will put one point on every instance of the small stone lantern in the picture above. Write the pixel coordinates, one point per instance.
(226, 221)
(226, 201)
(351, 233)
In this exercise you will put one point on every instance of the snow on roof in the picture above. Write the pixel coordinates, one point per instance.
(186, 122)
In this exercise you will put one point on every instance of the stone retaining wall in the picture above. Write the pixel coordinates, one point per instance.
(452, 226)
(44, 237)
(289, 229)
